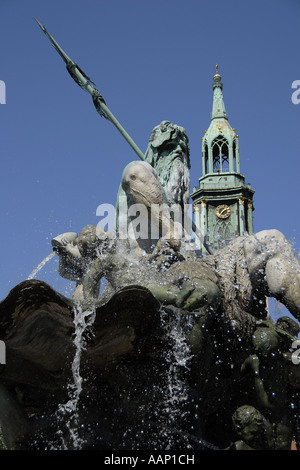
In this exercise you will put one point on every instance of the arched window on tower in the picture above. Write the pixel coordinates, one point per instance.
(206, 158)
(220, 154)
(234, 155)
(221, 234)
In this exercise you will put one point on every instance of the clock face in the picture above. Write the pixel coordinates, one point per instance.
(223, 211)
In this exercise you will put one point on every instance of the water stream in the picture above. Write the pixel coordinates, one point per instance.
(176, 392)
(68, 412)
(40, 266)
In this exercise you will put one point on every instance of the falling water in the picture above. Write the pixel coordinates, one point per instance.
(175, 395)
(40, 266)
(172, 411)
(83, 319)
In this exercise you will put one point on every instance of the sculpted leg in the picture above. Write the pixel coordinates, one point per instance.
(142, 184)
(91, 282)
(271, 260)
(140, 181)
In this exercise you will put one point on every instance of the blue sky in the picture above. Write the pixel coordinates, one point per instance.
(151, 60)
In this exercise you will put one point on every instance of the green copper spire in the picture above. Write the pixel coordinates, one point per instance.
(223, 202)
(218, 109)
(220, 147)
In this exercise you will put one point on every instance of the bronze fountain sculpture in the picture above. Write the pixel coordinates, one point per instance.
(176, 352)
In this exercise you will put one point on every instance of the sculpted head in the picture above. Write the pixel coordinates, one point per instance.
(249, 424)
(169, 153)
(94, 239)
(166, 139)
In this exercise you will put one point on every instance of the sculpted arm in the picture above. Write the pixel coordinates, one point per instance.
(271, 261)
(91, 281)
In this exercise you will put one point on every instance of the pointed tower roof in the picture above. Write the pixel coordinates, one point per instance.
(219, 124)
(220, 148)
(218, 109)
(222, 202)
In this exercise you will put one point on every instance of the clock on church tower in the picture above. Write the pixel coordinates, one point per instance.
(223, 204)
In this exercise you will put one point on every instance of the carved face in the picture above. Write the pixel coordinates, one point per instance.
(165, 139)
(168, 153)
(249, 424)
(93, 238)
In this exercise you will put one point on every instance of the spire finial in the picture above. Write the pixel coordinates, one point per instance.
(217, 76)
(218, 110)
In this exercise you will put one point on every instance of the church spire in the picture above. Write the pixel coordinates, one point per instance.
(222, 202)
(220, 148)
(218, 109)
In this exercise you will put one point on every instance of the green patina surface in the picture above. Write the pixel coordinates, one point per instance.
(221, 183)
